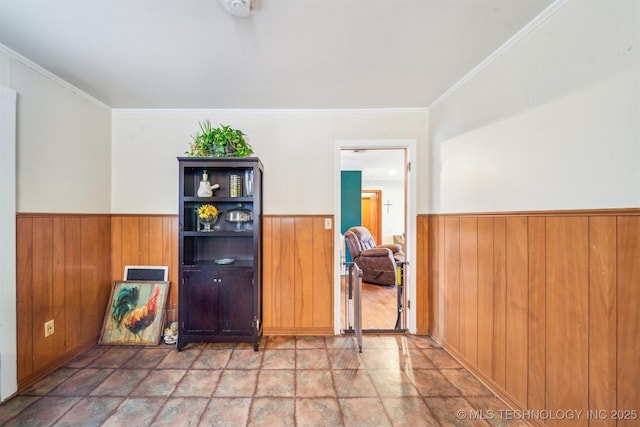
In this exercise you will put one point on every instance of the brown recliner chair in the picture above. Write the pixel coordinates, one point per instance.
(378, 263)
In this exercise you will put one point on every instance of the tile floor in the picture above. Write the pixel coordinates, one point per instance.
(292, 381)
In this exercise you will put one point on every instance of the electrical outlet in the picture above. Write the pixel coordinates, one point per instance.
(48, 328)
(327, 223)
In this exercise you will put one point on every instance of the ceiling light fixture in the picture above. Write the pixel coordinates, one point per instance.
(239, 7)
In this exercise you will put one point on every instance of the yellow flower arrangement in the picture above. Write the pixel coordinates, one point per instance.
(207, 211)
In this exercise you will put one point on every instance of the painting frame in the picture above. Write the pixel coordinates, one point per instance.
(135, 313)
(146, 272)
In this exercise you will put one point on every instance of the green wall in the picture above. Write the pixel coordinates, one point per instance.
(350, 201)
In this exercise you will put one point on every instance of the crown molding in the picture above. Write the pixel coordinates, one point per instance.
(272, 110)
(538, 20)
(54, 78)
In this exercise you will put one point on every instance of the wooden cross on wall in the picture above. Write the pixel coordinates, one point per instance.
(387, 205)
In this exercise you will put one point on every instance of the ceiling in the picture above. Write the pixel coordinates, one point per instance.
(288, 54)
(375, 164)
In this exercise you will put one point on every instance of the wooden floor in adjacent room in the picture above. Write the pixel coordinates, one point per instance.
(379, 306)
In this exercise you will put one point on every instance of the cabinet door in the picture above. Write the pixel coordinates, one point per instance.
(201, 289)
(236, 302)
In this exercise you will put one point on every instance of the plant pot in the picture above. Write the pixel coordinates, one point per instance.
(226, 151)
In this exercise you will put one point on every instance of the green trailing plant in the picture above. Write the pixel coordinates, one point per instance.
(230, 142)
(222, 141)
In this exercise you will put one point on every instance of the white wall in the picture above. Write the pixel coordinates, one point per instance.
(8, 349)
(54, 157)
(63, 142)
(551, 124)
(296, 148)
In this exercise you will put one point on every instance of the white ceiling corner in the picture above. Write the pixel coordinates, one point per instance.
(287, 54)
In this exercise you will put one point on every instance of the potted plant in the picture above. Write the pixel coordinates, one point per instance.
(223, 141)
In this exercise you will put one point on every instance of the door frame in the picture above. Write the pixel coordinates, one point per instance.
(8, 303)
(410, 147)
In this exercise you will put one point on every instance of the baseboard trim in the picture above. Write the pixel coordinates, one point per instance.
(326, 331)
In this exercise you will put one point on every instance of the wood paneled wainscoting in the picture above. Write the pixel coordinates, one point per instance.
(63, 274)
(298, 275)
(544, 307)
(146, 240)
(297, 265)
(66, 264)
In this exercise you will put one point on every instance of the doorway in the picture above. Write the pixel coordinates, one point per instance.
(384, 190)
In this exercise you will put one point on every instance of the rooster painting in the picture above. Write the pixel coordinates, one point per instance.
(127, 313)
(134, 313)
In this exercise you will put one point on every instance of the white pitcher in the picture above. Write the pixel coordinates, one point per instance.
(206, 189)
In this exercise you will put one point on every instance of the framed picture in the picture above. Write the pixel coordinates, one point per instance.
(134, 313)
(146, 272)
